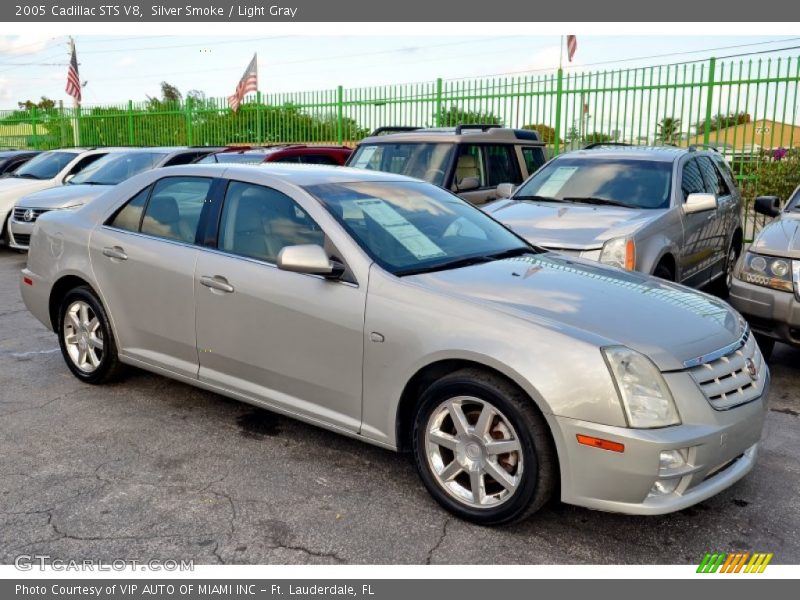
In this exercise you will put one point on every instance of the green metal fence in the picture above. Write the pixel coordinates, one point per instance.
(746, 107)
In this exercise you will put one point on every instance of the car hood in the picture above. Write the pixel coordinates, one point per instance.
(62, 196)
(780, 238)
(669, 323)
(563, 225)
(13, 186)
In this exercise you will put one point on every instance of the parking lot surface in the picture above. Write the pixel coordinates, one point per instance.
(149, 468)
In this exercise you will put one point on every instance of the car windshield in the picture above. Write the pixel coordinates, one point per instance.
(233, 157)
(636, 183)
(411, 227)
(426, 161)
(45, 166)
(117, 167)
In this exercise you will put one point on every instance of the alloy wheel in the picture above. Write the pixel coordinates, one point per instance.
(474, 452)
(83, 336)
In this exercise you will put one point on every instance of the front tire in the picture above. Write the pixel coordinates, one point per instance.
(85, 337)
(482, 448)
(722, 286)
(766, 345)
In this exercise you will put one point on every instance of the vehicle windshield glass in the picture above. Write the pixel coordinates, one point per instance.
(410, 227)
(233, 157)
(631, 182)
(45, 166)
(426, 161)
(117, 167)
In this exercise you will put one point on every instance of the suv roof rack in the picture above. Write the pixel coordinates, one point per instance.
(594, 145)
(696, 147)
(480, 126)
(393, 129)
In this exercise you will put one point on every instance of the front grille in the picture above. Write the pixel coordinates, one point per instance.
(725, 381)
(23, 239)
(19, 214)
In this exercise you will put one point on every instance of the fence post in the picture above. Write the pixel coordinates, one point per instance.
(559, 88)
(131, 136)
(34, 133)
(259, 124)
(712, 63)
(189, 129)
(340, 115)
(438, 116)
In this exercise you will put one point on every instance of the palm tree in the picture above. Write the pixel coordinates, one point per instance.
(668, 130)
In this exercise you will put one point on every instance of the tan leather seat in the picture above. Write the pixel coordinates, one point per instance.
(467, 166)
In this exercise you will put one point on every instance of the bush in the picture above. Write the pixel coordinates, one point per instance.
(771, 173)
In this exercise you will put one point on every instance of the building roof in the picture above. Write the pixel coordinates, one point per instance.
(762, 133)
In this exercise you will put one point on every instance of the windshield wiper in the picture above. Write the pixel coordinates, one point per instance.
(535, 198)
(467, 261)
(89, 183)
(595, 200)
(26, 176)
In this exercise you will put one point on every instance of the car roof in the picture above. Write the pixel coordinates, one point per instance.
(461, 133)
(653, 153)
(13, 153)
(265, 150)
(291, 173)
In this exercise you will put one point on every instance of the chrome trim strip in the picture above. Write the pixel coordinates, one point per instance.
(717, 354)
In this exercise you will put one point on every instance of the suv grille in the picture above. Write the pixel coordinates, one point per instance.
(19, 214)
(725, 382)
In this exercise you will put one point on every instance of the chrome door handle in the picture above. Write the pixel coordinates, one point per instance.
(115, 252)
(217, 283)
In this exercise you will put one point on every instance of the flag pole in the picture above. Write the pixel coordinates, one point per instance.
(561, 52)
(76, 105)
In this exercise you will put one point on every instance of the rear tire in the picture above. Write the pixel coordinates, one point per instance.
(85, 337)
(498, 465)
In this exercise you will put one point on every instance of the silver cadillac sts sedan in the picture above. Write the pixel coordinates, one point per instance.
(390, 310)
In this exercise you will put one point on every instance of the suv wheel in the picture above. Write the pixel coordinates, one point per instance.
(662, 271)
(482, 449)
(85, 337)
(723, 283)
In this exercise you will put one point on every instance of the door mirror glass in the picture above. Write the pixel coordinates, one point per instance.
(768, 205)
(310, 259)
(505, 190)
(700, 203)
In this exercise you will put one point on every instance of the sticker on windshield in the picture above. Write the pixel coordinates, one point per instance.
(364, 157)
(556, 181)
(400, 229)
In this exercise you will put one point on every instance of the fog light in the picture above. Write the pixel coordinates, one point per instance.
(663, 487)
(669, 460)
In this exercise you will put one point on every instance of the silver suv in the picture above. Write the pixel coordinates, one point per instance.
(671, 212)
(469, 160)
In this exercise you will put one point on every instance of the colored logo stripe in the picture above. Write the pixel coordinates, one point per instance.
(734, 563)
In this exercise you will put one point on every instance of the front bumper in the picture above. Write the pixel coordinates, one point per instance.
(19, 234)
(720, 446)
(772, 313)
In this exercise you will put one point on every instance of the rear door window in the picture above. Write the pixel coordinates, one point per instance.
(175, 207)
(534, 158)
(692, 180)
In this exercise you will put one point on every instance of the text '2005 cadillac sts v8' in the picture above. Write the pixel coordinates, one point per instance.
(390, 310)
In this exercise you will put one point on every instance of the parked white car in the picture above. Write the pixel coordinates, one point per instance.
(48, 169)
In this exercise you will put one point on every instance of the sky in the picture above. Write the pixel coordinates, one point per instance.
(118, 68)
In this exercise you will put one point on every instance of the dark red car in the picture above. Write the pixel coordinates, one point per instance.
(295, 153)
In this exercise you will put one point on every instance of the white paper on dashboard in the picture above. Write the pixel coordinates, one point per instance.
(400, 228)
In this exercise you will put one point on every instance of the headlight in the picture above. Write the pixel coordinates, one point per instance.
(619, 252)
(643, 392)
(768, 271)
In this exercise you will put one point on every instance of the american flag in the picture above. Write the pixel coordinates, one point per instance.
(248, 83)
(572, 45)
(73, 79)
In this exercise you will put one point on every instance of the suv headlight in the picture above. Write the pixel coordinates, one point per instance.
(642, 390)
(619, 252)
(769, 271)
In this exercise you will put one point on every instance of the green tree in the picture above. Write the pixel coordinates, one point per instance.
(721, 121)
(455, 115)
(597, 137)
(668, 130)
(546, 133)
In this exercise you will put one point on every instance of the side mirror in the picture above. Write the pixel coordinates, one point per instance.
(768, 205)
(504, 190)
(696, 203)
(467, 184)
(310, 259)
